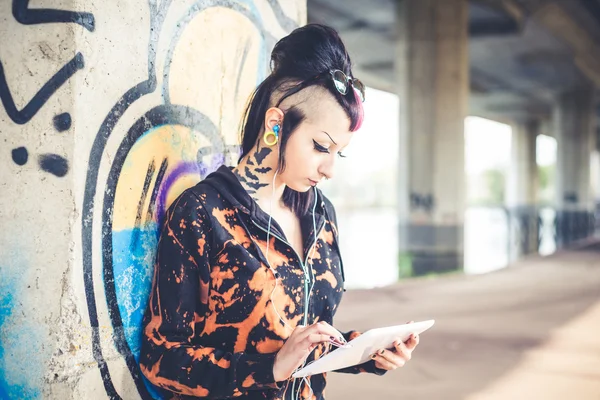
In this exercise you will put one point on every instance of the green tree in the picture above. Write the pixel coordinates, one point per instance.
(496, 183)
(546, 182)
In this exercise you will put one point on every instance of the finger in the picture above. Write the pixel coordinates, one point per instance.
(403, 351)
(412, 341)
(323, 327)
(317, 338)
(298, 330)
(384, 363)
(393, 357)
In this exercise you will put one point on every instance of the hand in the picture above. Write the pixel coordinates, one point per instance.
(299, 345)
(398, 356)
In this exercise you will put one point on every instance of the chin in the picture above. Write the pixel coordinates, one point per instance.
(299, 187)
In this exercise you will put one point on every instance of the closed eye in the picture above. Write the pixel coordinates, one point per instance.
(320, 148)
(323, 149)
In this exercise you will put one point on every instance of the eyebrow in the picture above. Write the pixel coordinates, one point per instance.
(330, 137)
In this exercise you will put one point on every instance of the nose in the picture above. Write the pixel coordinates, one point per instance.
(327, 167)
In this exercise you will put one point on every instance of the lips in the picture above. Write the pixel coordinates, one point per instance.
(313, 183)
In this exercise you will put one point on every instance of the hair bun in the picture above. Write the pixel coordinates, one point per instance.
(309, 50)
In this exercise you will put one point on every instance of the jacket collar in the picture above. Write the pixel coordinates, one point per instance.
(228, 185)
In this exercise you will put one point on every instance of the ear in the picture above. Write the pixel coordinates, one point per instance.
(273, 116)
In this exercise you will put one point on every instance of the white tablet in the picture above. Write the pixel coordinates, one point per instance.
(363, 347)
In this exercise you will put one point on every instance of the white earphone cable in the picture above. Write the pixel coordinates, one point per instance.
(308, 273)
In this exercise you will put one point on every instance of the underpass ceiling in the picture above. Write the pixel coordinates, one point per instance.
(518, 61)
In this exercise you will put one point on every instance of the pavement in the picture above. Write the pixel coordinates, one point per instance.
(530, 331)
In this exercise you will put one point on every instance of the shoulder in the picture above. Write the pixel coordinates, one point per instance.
(194, 202)
(206, 194)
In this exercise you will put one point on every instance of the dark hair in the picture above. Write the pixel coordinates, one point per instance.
(299, 60)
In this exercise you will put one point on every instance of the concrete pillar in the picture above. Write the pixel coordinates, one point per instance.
(521, 190)
(109, 109)
(433, 83)
(574, 122)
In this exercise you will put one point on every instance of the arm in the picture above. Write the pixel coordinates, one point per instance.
(181, 277)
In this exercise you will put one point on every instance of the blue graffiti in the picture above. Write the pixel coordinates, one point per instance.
(133, 271)
(6, 307)
(21, 363)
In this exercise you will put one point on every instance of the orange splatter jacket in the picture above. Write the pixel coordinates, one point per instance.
(211, 329)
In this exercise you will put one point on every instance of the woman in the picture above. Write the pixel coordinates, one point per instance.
(248, 273)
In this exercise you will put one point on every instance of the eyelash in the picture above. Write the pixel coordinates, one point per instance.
(322, 149)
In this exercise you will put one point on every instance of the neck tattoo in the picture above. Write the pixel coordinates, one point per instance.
(252, 173)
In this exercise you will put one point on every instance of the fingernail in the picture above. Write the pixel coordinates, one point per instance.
(381, 352)
(341, 339)
(373, 356)
(335, 341)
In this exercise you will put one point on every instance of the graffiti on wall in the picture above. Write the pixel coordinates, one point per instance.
(161, 135)
(424, 202)
(21, 366)
(145, 174)
(51, 163)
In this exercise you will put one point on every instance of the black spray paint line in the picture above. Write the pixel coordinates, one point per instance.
(87, 218)
(106, 128)
(42, 96)
(159, 177)
(161, 115)
(54, 164)
(132, 95)
(135, 239)
(33, 16)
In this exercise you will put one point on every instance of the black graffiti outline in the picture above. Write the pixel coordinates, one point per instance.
(33, 16)
(160, 115)
(42, 96)
(135, 93)
(106, 128)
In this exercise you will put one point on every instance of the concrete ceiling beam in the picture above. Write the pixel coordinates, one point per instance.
(586, 51)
